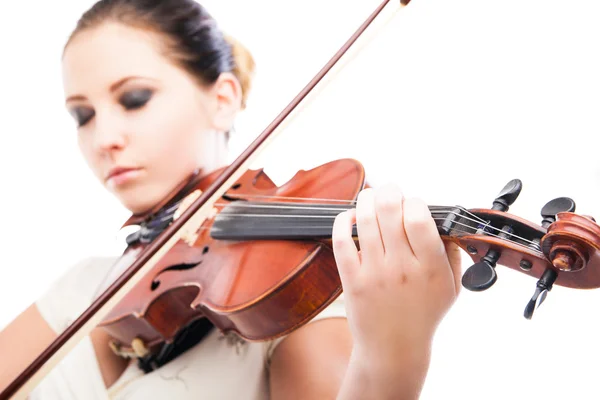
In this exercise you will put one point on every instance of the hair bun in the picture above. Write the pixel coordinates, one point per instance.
(244, 66)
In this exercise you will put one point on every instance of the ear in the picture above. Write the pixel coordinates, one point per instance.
(228, 94)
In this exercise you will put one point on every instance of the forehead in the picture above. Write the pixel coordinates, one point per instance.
(98, 57)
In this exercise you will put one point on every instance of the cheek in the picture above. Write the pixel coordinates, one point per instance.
(84, 142)
(172, 135)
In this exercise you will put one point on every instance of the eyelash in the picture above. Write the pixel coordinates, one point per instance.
(131, 101)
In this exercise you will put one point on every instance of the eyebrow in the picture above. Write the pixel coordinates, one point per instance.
(112, 87)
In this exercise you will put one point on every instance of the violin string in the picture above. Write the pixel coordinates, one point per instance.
(318, 207)
(447, 211)
(333, 217)
(439, 209)
(491, 234)
(313, 200)
(270, 197)
(487, 225)
(433, 210)
(288, 206)
(307, 207)
(469, 230)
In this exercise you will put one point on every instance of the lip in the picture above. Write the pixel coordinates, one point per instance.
(121, 175)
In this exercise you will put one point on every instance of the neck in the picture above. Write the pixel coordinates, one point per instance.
(298, 221)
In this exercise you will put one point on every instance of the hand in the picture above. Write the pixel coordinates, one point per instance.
(404, 279)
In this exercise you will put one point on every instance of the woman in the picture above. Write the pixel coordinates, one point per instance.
(149, 79)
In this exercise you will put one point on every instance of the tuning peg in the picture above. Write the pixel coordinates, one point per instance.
(507, 195)
(553, 207)
(482, 275)
(543, 286)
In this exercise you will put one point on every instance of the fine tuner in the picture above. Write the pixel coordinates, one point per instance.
(565, 257)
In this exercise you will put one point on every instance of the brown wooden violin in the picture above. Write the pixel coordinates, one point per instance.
(255, 259)
(262, 265)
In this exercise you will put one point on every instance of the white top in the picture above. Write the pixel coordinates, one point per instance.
(216, 368)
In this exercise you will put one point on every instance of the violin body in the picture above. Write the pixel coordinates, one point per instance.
(259, 289)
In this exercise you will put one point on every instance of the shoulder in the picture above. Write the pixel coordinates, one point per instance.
(312, 360)
(69, 295)
(335, 312)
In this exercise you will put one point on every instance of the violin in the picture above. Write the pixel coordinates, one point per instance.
(262, 265)
(255, 259)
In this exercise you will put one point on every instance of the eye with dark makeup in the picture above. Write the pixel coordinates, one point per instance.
(130, 100)
(82, 115)
(135, 99)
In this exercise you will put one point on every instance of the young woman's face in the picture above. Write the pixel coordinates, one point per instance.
(144, 124)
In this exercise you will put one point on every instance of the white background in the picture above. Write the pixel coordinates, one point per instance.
(451, 101)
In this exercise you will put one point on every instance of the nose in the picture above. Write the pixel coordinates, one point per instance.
(109, 134)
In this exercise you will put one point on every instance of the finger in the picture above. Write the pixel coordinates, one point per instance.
(344, 249)
(389, 203)
(367, 226)
(423, 235)
(455, 259)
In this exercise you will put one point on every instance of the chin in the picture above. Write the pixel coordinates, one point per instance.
(141, 197)
(136, 203)
(138, 208)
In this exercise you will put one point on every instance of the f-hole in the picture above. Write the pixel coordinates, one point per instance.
(178, 267)
(234, 187)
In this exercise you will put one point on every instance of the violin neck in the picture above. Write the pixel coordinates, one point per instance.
(292, 221)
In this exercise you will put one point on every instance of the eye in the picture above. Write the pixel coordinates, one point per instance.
(82, 115)
(135, 99)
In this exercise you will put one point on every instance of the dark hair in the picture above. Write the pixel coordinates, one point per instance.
(194, 40)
